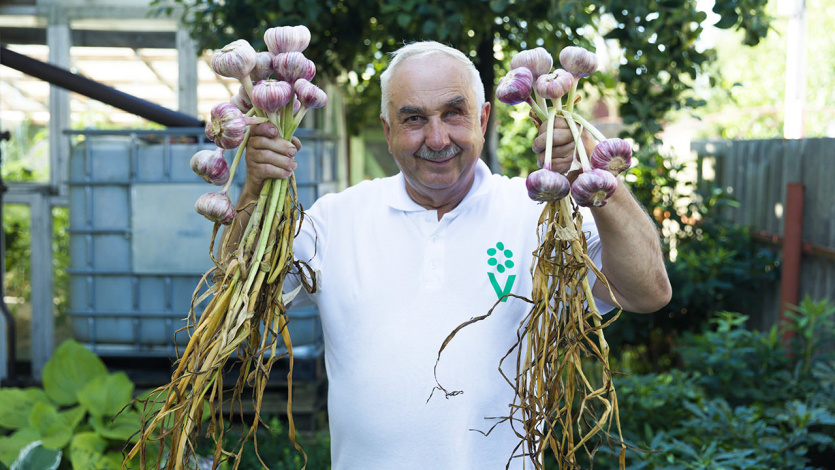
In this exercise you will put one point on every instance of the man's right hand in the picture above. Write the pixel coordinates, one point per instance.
(268, 156)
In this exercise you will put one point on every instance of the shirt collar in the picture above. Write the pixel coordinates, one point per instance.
(399, 199)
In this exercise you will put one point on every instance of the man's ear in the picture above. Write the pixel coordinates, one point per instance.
(386, 131)
(485, 115)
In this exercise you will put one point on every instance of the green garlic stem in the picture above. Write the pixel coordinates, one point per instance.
(542, 104)
(246, 81)
(282, 126)
(543, 114)
(571, 95)
(549, 138)
(583, 122)
(262, 240)
(297, 119)
(237, 159)
(578, 141)
(249, 232)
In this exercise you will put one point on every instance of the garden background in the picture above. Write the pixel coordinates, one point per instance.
(725, 103)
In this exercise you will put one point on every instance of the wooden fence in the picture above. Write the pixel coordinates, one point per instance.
(757, 174)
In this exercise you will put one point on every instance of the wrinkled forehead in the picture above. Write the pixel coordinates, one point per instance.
(430, 81)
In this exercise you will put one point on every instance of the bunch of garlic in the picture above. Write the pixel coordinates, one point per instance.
(275, 87)
(531, 80)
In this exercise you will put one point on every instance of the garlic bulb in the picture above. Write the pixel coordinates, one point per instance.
(554, 85)
(537, 60)
(227, 126)
(216, 207)
(613, 155)
(310, 95)
(287, 39)
(593, 188)
(515, 87)
(263, 66)
(235, 60)
(579, 61)
(270, 95)
(241, 100)
(546, 185)
(211, 166)
(291, 66)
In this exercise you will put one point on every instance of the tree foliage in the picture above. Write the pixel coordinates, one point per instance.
(656, 42)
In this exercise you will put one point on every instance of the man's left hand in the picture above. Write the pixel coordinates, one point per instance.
(563, 152)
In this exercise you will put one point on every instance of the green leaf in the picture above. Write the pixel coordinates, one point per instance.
(729, 19)
(87, 451)
(72, 416)
(498, 6)
(53, 429)
(37, 457)
(69, 370)
(16, 405)
(106, 395)
(10, 445)
(122, 427)
(404, 20)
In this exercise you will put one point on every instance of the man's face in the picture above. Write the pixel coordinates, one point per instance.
(436, 132)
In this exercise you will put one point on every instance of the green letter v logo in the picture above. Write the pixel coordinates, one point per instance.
(507, 285)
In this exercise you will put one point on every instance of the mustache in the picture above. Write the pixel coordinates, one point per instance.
(443, 154)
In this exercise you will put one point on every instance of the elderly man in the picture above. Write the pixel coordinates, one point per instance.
(404, 260)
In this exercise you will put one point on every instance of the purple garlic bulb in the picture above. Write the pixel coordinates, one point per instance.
(546, 185)
(216, 207)
(515, 87)
(593, 188)
(211, 166)
(537, 60)
(554, 85)
(310, 96)
(235, 60)
(612, 155)
(263, 66)
(287, 39)
(241, 100)
(227, 126)
(579, 61)
(291, 66)
(270, 95)
(297, 105)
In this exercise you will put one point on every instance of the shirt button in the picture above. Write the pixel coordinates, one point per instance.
(435, 264)
(434, 239)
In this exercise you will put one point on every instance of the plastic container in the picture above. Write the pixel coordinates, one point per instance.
(137, 247)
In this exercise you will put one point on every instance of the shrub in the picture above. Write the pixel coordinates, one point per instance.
(78, 414)
(742, 400)
(275, 449)
(713, 264)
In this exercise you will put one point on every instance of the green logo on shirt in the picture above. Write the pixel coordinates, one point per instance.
(499, 258)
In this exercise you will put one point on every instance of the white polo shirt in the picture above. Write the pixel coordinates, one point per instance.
(394, 281)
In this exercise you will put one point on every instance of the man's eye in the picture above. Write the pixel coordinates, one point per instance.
(413, 119)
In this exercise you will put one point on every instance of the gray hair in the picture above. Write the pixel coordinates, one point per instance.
(424, 49)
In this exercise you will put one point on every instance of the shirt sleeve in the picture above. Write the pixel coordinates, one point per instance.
(307, 250)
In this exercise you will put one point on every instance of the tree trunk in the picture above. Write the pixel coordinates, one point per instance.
(484, 64)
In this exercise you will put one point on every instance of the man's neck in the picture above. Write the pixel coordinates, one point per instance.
(442, 206)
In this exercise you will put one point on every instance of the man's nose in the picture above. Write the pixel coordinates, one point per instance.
(437, 135)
